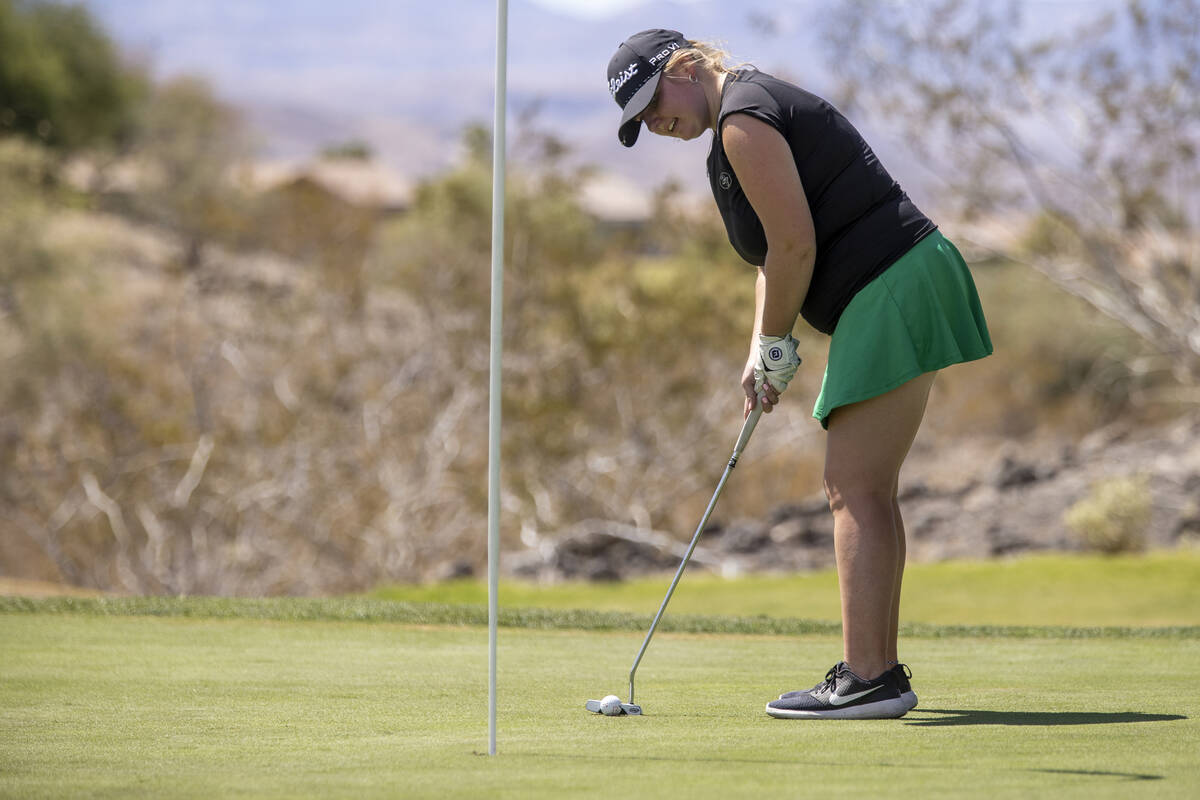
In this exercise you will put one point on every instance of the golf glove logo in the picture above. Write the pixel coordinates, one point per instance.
(777, 362)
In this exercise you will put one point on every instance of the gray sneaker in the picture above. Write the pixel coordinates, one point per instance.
(903, 675)
(843, 695)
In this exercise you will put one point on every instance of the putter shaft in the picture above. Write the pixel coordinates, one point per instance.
(743, 438)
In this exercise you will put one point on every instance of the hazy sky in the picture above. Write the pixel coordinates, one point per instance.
(593, 9)
(408, 75)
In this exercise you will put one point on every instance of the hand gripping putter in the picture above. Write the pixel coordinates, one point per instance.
(743, 439)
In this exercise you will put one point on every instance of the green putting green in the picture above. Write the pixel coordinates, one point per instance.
(287, 698)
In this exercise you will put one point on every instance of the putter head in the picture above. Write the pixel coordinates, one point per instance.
(626, 708)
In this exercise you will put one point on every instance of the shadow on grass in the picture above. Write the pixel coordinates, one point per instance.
(708, 759)
(1130, 776)
(1035, 718)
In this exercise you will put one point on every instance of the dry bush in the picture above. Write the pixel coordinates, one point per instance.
(249, 426)
(1114, 515)
(1089, 131)
(233, 431)
(242, 428)
(1060, 370)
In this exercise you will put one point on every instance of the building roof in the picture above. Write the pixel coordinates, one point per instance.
(361, 182)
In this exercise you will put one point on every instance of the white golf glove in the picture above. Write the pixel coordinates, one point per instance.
(777, 362)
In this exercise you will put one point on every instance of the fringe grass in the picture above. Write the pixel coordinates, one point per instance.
(357, 609)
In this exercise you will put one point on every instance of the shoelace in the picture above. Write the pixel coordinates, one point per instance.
(829, 684)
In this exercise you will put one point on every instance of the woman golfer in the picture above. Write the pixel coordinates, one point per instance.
(836, 241)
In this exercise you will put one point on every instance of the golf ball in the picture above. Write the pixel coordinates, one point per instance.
(610, 706)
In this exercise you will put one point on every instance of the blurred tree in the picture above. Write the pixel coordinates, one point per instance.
(315, 225)
(594, 409)
(25, 179)
(1092, 132)
(189, 143)
(62, 82)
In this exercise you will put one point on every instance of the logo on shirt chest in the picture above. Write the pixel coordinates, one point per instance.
(725, 180)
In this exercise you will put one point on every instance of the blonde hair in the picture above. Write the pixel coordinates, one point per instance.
(707, 55)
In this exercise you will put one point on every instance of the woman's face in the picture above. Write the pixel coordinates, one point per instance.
(679, 108)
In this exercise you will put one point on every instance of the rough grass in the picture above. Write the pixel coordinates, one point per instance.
(368, 610)
(1158, 589)
(221, 706)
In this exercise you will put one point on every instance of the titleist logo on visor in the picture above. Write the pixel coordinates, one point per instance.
(624, 76)
(615, 84)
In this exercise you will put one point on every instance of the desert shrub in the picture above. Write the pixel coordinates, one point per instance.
(26, 174)
(974, 86)
(1060, 368)
(1114, 515)
(188, 142)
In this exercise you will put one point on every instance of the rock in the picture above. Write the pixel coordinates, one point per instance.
(745, 537)
(1013, 501)
(598, 550)
(1014, 473)
(455, 570)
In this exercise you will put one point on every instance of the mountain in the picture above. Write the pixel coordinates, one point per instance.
(407, 77)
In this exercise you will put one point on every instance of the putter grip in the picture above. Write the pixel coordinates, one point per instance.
(747, 429)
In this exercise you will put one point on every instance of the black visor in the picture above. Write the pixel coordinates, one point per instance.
(634, 73)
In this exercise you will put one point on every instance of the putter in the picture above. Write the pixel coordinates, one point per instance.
(743, 439)
(626, 708)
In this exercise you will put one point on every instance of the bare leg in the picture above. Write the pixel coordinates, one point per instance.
(894, 630)
(867, 444)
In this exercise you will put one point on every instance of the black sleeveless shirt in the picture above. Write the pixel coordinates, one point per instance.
(863, 219)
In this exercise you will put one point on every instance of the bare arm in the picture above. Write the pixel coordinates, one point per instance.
(772, 397)
(767, 172)
(760, 293)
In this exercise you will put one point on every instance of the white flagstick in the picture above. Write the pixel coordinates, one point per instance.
(498, 150)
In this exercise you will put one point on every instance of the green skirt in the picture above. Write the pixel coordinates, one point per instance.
(919, 315)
